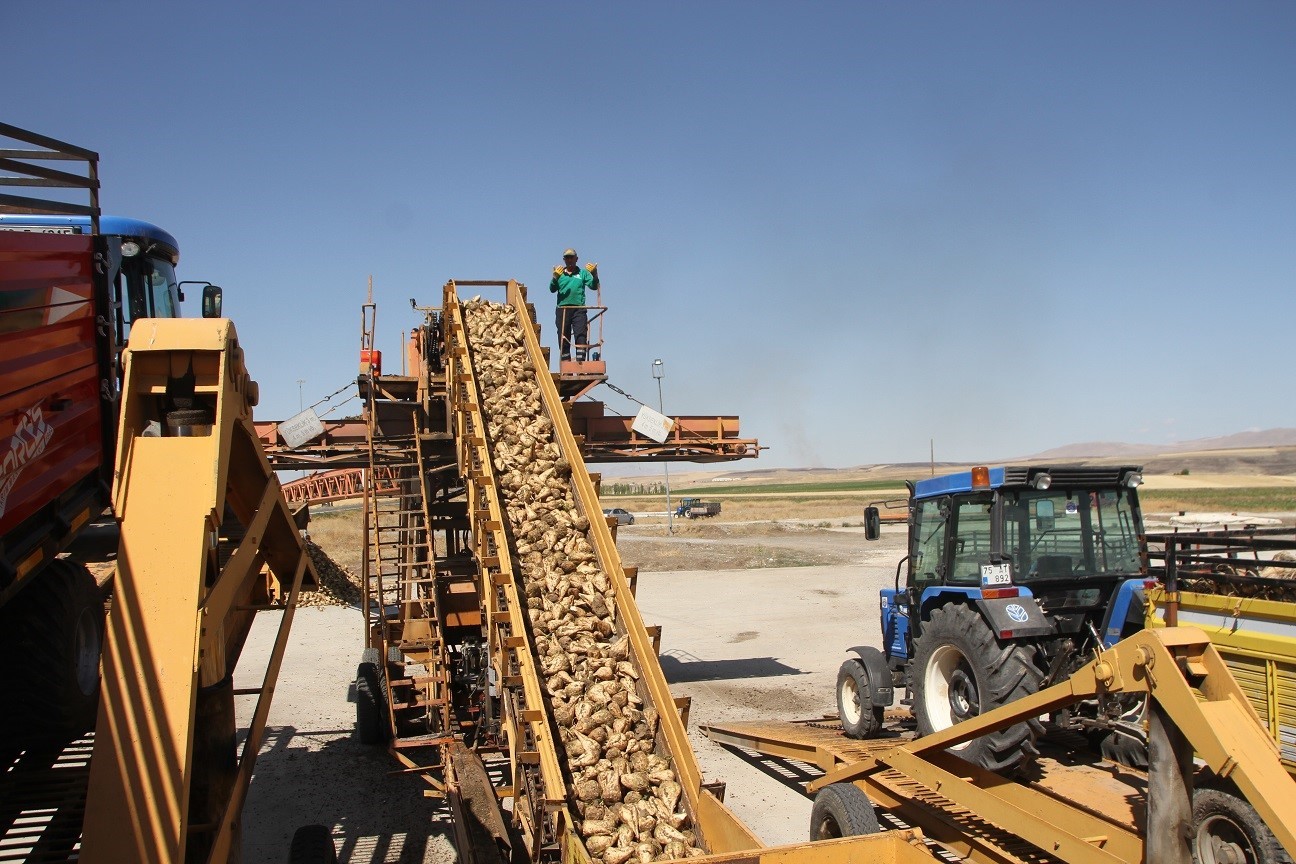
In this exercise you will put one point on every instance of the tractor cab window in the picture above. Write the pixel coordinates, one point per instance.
(145, 287)
(161, 279)
(972, 546)
(931, 529)
(1060, 533)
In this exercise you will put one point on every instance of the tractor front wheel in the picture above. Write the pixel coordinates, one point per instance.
(860, 718)
(842, 810)
(961, 670)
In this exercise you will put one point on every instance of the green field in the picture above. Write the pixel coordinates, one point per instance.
(726, 490)
(1251, 499)
(1248, 498)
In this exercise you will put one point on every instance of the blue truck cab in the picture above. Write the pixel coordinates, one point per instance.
(1013, 577)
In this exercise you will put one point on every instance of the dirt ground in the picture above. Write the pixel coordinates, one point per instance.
(744, 644)
(756, 615)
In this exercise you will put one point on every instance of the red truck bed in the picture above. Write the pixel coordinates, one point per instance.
(51, 415)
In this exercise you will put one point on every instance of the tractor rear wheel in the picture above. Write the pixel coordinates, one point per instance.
(860, 718)
(54, 641)
(842, 810)
(961, 670)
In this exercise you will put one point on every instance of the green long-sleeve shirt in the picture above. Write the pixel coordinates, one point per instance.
(571, 287)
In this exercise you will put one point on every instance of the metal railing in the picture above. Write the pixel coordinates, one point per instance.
(22, 168)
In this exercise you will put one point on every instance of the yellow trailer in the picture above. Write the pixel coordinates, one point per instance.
(1239, 588)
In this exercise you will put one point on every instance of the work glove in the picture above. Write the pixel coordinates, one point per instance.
(591, 267)
(558, 271)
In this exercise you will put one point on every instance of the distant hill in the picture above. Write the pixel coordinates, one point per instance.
(1108, 449)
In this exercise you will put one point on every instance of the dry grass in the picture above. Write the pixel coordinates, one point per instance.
(340, 533)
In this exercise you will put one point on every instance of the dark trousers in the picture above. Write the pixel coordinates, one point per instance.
(572, 324)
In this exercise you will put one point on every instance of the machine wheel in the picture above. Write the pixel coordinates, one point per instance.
(1228, 830)
(842, 810)
(312, 844)
(371, 698)
(53, 647)
(960, 670)
(860, 718)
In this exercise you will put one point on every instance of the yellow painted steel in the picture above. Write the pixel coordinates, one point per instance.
(1177, 667)
(178, 618)
(1257, 639)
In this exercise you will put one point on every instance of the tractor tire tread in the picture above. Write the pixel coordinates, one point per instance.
(845, 807)
(1010, 672)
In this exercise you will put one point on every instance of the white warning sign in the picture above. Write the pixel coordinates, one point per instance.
(652, 424)
(296, 431)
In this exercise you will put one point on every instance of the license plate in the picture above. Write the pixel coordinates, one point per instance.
(996, 574)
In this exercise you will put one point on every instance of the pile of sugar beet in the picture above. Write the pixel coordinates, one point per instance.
(627, 796)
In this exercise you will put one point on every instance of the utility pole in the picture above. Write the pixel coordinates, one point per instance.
(658, 370)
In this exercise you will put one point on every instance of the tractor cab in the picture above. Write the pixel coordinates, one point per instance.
(1041, 551)
(1014, 577)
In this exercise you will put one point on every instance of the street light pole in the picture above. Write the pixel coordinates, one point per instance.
(658, 370)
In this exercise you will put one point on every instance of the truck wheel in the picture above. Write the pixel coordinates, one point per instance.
(960, 670)
(312, 844)
(1228, 830)
(53, 647)
(842, 810)
(371, 698)
(860, 718)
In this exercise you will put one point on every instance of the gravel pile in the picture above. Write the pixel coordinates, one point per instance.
(627, 793)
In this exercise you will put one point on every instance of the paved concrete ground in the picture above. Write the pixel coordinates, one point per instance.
(744, 644)
(763, 645)
(311, 768)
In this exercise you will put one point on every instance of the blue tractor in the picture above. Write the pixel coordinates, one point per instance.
(1015, 577)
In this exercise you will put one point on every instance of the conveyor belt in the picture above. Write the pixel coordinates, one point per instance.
(546, 801)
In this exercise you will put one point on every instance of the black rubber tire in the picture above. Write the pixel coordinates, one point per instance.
(312, 844)
(1121, 749)
(1228, 829)
(371, 698)
(842, 810)
(957, 653)
(53, 638)
(860, 718)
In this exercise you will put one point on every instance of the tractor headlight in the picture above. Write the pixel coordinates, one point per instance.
(1042, 481)
(1134, 479)
(129, 248)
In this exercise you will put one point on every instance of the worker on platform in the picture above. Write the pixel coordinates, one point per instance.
(570, 282)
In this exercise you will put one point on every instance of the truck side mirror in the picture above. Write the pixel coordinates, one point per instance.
(872, 523)
(211, 301)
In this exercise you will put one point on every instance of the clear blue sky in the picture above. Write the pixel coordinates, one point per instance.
(1005, 226)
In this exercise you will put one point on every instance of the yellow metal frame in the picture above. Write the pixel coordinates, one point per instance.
(178, 618)
(1186, 676)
